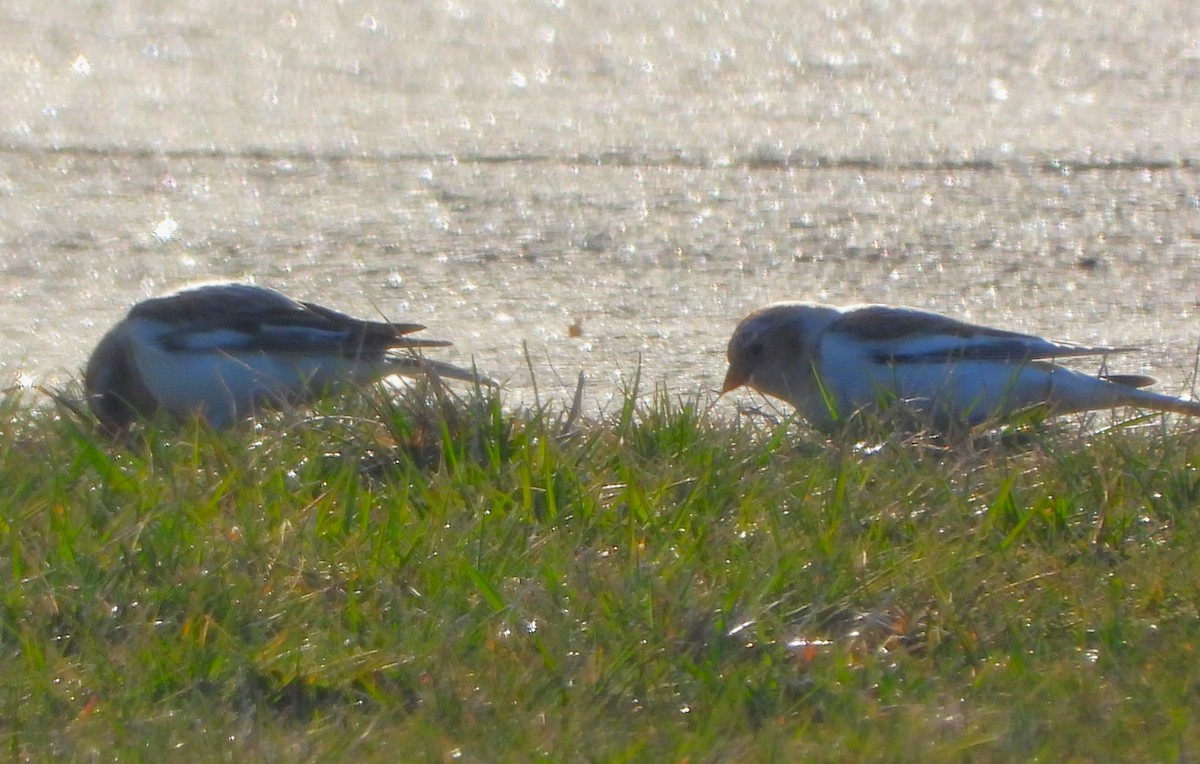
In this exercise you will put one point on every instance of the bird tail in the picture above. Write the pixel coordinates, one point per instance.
(411, 365)
(1128, 393)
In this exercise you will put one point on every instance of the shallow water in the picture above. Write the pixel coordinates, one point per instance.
(501, 172)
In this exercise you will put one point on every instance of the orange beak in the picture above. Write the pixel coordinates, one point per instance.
(734, 378)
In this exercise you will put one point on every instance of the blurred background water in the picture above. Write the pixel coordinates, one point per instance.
(644, 172)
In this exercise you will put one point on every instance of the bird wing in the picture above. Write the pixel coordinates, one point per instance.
(374, 335)
(247, 318)
(906, 335)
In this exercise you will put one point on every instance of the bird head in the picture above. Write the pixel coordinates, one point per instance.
(114, 392)
(772, 349)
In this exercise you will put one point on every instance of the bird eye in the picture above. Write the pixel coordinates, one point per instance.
(756, 349)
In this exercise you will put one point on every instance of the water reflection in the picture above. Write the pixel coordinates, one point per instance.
(600, 268)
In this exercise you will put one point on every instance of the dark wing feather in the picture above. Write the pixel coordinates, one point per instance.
(907, 335)
(212, 305)
(1014, 351)
(375, 335)
(885, 323)
(248, 318)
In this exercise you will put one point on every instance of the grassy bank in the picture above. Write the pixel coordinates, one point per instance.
(446, 581)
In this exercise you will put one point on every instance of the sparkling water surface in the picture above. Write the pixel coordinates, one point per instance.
(645, 173)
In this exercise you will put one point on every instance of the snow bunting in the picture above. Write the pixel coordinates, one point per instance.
(226, 351)
(832, 362)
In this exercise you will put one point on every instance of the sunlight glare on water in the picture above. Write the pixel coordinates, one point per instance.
(602, 187)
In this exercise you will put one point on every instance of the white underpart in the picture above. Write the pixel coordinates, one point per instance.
(966, 391)
(223, 386)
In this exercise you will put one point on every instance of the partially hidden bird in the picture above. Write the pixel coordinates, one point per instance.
(227, 351)
(831, 363)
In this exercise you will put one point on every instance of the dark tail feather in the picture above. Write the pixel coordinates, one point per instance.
(413, 365)
(1130, 380)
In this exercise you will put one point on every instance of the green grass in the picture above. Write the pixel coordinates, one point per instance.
(439, 580)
